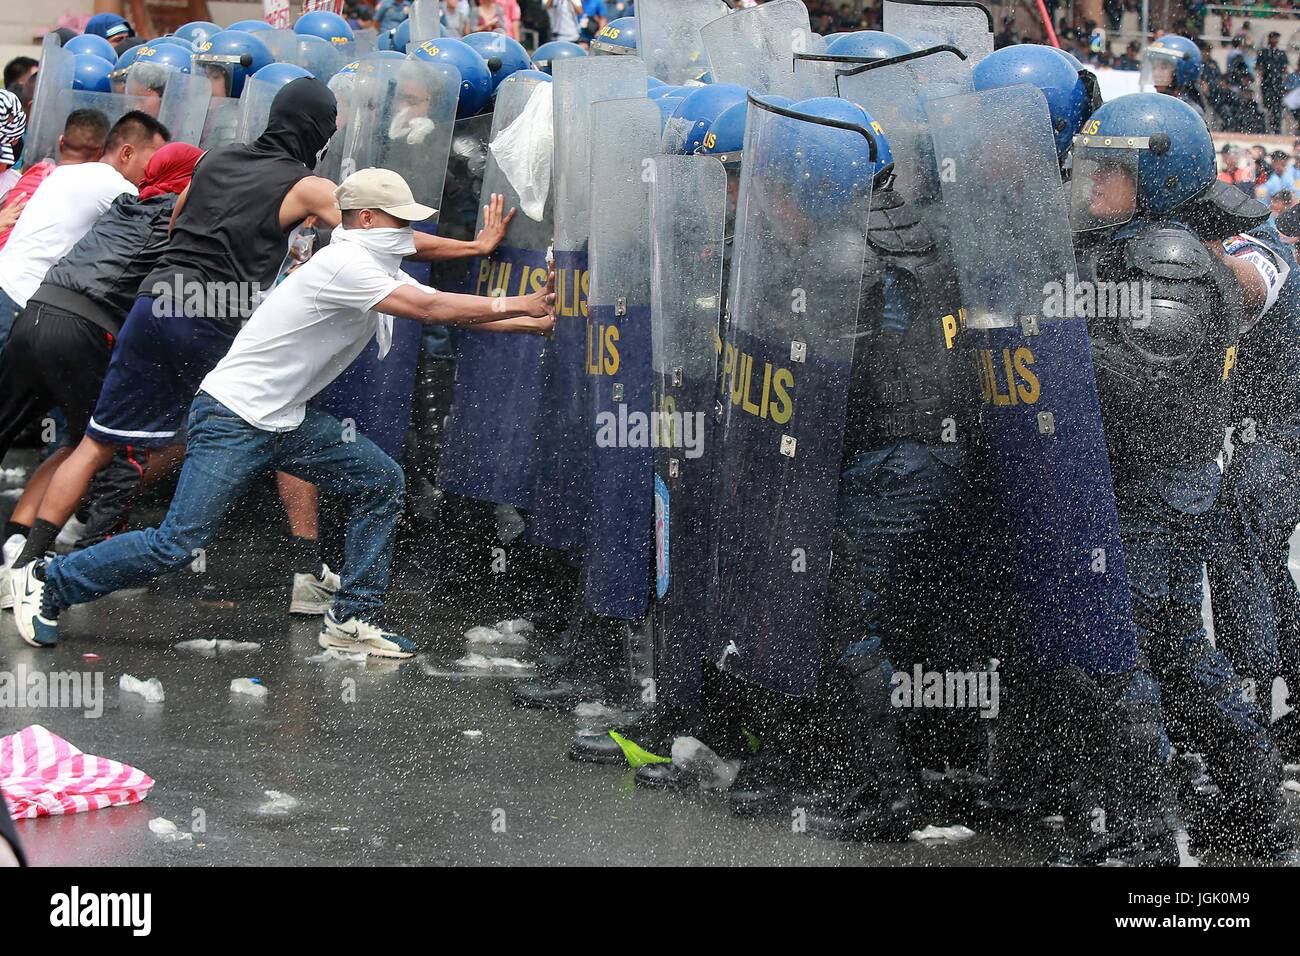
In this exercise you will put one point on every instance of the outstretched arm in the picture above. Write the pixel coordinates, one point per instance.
(495, 223)
(533, 313)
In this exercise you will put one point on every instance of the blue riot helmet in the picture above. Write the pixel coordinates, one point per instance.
(667, 106)
(616, 37)
(90, 73)
(398, 38)
(153, 67)
(502, 55)
(247, 26)
(169, 56)
(1144, 154)
(653, 83)
(1171, 63)
(659, 92)
(330, 27)
(1044, 68)
(726, 136)
(537, 75)
(475, 79)
(118, 75)
(172, 40)
(874, 44)
(696, 112)
(1089, 78)
(832, 156)
(228, 57)
(548, 53)
(278, 74)
(198, 31)
(94, 45)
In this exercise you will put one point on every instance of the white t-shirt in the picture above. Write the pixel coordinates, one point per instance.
(60, 212)
(303, 336)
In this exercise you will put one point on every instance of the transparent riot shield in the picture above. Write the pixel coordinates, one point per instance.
(897, 90)
(491, 441)
(426, 21)
(404, 114)
(755, 47)
(364, 43)
(283, 44)
(319, 57)
(45, 119)
(815, 73)
(343, 85)
(688, 209)
(563, 466)
(1052, 556)
(797, 276)
(668, 36)
(255, 108)
(221, 125)
(113, 106)
(925, 23)
(184, 106)
(624, 140)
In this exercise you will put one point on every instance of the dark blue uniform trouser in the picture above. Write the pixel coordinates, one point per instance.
(895, 593)
(1165, 523)
(1256, 602)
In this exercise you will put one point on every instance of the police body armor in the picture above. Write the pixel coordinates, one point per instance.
(905, 373)
(1164, 367)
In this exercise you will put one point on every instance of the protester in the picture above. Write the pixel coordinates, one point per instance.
(59, 348)
(84, 134)
(252, 416)
(70, 199)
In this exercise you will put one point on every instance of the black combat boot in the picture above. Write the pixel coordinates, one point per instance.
(595, 671)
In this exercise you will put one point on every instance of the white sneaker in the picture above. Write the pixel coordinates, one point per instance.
(12, 548)
(314, 593)
(354, 635)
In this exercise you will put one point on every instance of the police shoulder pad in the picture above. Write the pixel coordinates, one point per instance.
(1168, 252)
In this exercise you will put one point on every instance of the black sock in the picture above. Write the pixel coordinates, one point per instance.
(39, 540)
(13, 527)
(306, 555)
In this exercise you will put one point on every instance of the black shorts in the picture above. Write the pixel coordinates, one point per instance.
(53, 358)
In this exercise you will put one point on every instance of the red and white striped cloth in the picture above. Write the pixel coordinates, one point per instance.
(42, 774)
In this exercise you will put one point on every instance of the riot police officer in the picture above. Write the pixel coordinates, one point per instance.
(1143, 200)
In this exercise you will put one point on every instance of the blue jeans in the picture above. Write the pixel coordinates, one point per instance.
(224, 456)
(9, 310)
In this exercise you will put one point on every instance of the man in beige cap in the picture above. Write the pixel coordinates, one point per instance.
(251, 418)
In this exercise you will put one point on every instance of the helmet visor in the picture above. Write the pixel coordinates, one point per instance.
(1103, 184)
(219, 69)
(1159, 67)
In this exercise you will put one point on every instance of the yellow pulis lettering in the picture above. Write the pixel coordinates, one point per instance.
(783, 406)
(1029, 388)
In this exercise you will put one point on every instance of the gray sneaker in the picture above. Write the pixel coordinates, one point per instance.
(314, 593)
(355, 635)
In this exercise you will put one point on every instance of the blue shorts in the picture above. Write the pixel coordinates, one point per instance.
(157, 366)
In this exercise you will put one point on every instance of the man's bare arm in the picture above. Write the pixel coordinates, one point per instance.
(516, 313)
(313, 196)
(495, 223)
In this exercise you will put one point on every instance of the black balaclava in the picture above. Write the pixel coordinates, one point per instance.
(302, 120)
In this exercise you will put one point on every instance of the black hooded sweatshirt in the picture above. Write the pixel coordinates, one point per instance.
(229, 228)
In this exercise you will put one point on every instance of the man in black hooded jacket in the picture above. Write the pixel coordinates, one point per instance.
(229, 235)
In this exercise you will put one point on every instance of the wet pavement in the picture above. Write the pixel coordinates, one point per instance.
(376, 756)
